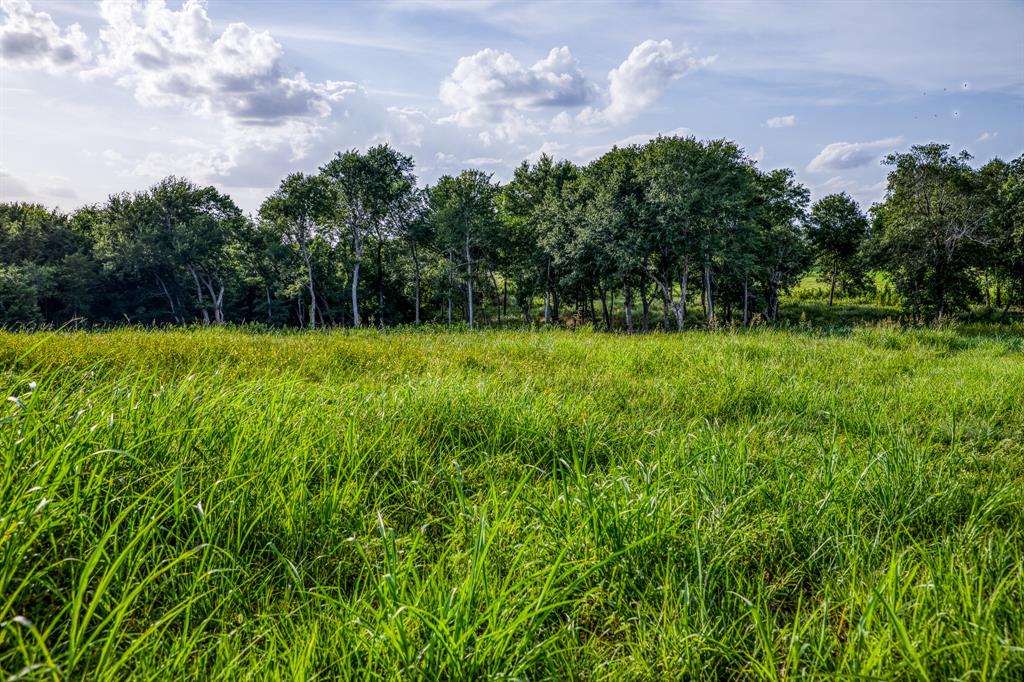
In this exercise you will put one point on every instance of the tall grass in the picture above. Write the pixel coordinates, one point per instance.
(218, 504)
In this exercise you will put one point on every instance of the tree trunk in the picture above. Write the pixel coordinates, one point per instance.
(547, 293)
(504, 297)
(709, 296)
(469, 283)
(357, 250)
(645, 302)
(170, 300)
(683, 284)
(627, 295)
(604, 308)
(199, 295)
(497, 291)
(270, 318)
(380, 282)
(832, 289)
(450, 283)
(416, 283)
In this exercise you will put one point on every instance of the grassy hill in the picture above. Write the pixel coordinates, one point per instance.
(228, 504)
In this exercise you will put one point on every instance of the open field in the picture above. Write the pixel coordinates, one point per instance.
(528, 505)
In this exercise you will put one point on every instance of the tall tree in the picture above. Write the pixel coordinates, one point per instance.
(837, 229)
(781, 247)
(373, 190)
(932, 228)
(464, 211)
(175, 232)
(303, 209)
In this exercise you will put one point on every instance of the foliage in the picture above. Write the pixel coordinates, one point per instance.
(675, 232)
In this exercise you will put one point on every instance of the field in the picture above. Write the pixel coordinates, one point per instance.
(226, 504)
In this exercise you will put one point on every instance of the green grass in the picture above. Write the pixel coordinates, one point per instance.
(223, 504)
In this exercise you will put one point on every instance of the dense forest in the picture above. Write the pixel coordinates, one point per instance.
(673, 233)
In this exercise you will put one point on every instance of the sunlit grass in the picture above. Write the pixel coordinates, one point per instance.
(225, 504)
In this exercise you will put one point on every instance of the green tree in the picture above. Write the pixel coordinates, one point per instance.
(303, 210)
(464, 212)
(932, 228)
(837, 229)
(374, 191)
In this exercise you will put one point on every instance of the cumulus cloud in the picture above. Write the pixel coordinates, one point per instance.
(638, 82)
(174, 57)
(492, 88)
(31, 39)
(758, 156)
(781, 122)
(845, 155)
(986, 136)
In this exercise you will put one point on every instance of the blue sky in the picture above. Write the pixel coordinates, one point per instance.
(98, 97)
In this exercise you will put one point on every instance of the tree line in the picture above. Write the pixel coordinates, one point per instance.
(677, 232)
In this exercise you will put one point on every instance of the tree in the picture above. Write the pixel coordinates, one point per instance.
(531, 206)
(782, 249)
(671, 166)
(932, 228)
(374, 191)
(464, 211)
(173, 232)
(837, 230)
(303, 209)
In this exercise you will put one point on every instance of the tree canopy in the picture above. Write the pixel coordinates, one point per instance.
(691, 229)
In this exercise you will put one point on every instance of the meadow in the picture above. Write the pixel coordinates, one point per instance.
(767, 504)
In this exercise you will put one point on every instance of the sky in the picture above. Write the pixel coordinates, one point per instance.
(103, 97)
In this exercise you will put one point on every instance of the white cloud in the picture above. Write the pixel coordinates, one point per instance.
(638, 82)
(758, 156)
(31, 39)
(170, 57)
(781, 122)
(987, 136)
(492, 88)
(845, 155)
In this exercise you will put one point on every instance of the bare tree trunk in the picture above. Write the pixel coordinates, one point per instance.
(497, 291)
(357, 248)
(380, 281)
(832, 289)
(709, 297)
(547, 293)
(416, 284)
(683, 284)
(312, 290)
(604, 308)
(627, 295)
(199, 295)
(469, 283)
(170, 300)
